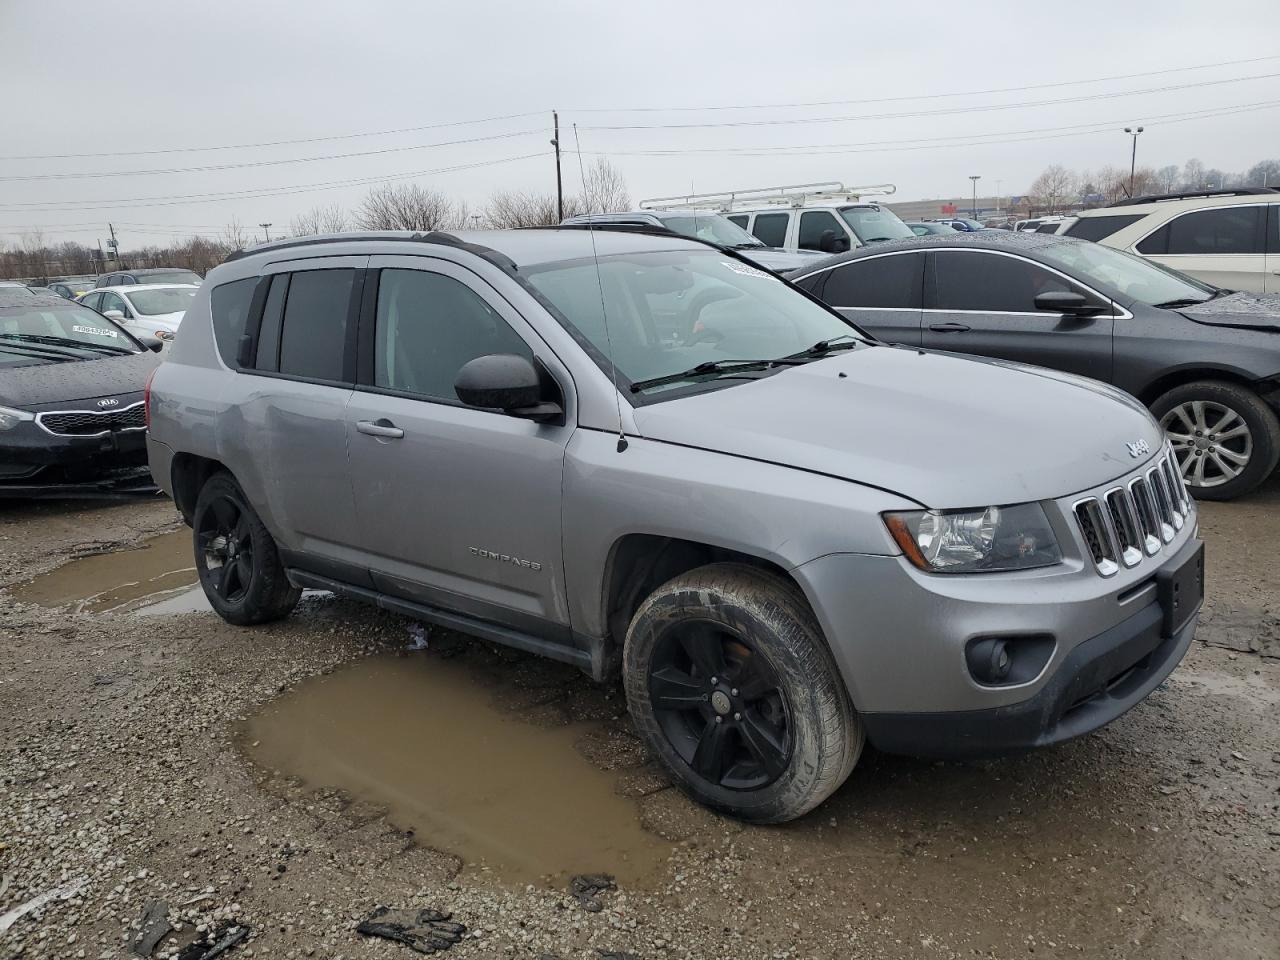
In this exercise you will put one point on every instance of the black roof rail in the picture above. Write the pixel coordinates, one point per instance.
(500, 260)
(1191, 194)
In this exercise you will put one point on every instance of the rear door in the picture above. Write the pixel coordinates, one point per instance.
(459, 508)
(881, 294)
(289, 441)
(1225, 246)
(983, 302)
(771, 229)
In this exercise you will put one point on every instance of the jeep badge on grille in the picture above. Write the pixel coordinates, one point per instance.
(1138, 448)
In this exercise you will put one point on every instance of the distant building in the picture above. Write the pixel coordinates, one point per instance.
(957, 207)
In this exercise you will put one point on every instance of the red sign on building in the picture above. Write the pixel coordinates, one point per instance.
(948, 209)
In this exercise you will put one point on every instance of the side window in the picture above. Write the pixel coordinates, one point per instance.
(313, 333)
(771, 228)
(90, 300)
(428, 326)
(883, 282)
(111, 301)
(989, 281)
(268, 357)
(813, 224)
(1220, 230)
(229, 303)
(1273, 230)
(127, 279)
(1096, 228)
(740, 219)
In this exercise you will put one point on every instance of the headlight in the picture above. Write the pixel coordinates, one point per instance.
(165, 335)
(10, 418)
(976, 541)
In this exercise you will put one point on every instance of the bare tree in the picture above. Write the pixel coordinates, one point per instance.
(1054, 189)
(1263, 174)
(407, 206)
(234, 236)
(1193, 174)
(1168, 177)
(318, 220)
(509, 209)
(604, 190)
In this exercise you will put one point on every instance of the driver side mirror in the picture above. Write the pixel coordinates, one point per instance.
(831, 242)
(115, 315)
(507, 382)
(1067, 302)
(154, 344)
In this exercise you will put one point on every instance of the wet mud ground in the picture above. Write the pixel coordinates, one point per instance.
(253, 776)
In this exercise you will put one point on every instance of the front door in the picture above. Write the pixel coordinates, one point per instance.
(880, 294)
(983, 302)
(459, 508)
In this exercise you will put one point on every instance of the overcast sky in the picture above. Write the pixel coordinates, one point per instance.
(97, 78)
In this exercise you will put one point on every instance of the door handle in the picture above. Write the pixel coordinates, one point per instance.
(948, 327)
(379, 428)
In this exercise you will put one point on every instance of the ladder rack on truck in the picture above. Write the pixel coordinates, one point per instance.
(795, 195)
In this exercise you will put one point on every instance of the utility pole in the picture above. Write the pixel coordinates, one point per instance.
(266, 237)
(114, 244)
(555, 142)
(998, 182)
(1133, 157)
(975, 180)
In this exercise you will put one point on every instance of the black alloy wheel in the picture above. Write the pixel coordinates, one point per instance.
(224, 543)
(721, 706)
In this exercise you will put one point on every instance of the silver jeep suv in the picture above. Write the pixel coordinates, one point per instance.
(639, 453)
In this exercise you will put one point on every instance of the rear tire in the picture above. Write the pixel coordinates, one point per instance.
(236, 558)
(1225, 438)
(775, 734)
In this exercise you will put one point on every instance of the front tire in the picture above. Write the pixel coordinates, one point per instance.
(1225, 438)
(236, 558)
(729, 679)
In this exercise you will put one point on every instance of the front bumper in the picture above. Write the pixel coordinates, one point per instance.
(34, 462)
(1099, 680)
(899, 637)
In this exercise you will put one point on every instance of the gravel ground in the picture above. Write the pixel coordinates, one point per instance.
(121, 772)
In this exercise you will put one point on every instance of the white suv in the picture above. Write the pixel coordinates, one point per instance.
(826, 217)
(1229, 238)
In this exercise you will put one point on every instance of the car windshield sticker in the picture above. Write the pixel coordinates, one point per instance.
(93, 331)
(743, 269)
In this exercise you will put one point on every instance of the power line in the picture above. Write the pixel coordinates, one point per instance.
(271, 143)
(929, 113)
(191, 198)
(863, 145)
(926, 96)
(266, 163)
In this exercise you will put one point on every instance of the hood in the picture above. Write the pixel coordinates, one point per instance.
(771, 258)
(1252, 311)
(946, 431)
(43, 383)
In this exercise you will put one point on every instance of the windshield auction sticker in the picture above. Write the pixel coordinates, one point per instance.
(743, 269)
(94, 331)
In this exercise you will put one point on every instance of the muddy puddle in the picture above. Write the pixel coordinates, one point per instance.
(160, 568)
(421, 737)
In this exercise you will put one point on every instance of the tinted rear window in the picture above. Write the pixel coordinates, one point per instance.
(313, 338)
(1219, 230)
(1096, 228)
(229, 304)
(877, 282)
(771, 228)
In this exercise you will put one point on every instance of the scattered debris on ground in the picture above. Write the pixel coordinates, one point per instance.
(215, 943)
(586, 887)
(426, 931)
(154, 927)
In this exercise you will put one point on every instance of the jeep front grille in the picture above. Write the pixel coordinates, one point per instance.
(1134, 519)
(93, 423)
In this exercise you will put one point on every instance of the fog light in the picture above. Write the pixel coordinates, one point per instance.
(988, 660)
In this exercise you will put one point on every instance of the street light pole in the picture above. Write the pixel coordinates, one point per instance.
(998, 182)
(1133, 156)
(265, 236)
(555, 142)
(975, 180)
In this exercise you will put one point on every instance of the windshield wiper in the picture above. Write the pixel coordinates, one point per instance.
(746, 246)
(711, 369)
(43, 353)
(1182, 302)
(64, 341)
(823, 347)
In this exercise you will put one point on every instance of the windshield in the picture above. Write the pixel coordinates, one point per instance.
(712, 227)
(1131, 275)
(875, 223)
(49, 332)
(176, 276)
(669, 312)
(154, 302)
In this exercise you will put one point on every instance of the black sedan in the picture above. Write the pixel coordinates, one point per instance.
(72, 419)
(1206, 361)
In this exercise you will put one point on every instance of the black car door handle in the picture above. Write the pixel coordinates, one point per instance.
(948, 327)
(380, 428)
